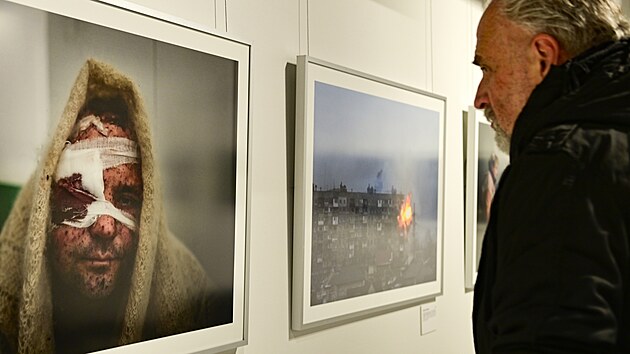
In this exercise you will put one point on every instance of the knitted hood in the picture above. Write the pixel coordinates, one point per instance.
(168, 289)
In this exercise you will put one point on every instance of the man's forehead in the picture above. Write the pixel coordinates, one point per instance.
(495, 31)
(91, 126)
(105, 112)
(489, 21)
(487, 43)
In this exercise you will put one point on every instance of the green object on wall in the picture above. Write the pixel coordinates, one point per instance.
(7, 197)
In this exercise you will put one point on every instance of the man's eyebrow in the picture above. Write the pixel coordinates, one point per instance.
(477, 61)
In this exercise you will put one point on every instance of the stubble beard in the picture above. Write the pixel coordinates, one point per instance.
(94, 279)
(501, 137)
(80, 269)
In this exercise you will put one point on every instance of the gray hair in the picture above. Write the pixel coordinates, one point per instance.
(577, 24)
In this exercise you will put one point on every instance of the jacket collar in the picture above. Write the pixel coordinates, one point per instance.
(593, 87)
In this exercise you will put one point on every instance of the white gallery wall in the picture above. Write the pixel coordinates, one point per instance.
(427, 44)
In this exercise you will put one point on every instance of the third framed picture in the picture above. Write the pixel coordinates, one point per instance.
(485, 163)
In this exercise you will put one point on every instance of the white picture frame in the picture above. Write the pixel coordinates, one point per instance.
(366, 149)
(164, 37)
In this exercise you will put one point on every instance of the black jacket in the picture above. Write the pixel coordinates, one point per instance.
(554, 275)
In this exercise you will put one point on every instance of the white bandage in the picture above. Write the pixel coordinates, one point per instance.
(89, 158)
(88, 121)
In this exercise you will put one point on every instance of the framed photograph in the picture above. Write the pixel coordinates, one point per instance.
(129, 130)
(485, 163)
(368, 195)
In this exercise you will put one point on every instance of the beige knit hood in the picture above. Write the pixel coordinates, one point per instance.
(168, 286)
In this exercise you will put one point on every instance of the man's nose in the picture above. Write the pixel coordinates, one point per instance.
(104, 226)
(481, 98)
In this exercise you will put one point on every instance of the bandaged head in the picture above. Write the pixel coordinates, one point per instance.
(79, 177)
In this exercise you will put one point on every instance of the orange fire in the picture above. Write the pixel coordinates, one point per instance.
(406, 214)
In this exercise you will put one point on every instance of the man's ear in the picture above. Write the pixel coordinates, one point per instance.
(547, 51)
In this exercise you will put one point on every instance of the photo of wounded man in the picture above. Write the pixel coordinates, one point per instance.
(100, 267)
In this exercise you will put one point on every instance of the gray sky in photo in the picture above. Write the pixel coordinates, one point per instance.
(359, 124)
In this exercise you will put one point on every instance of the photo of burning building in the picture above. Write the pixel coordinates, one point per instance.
(374, 195)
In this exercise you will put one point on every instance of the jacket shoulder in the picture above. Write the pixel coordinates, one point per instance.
(551, 139)
(598, 147)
